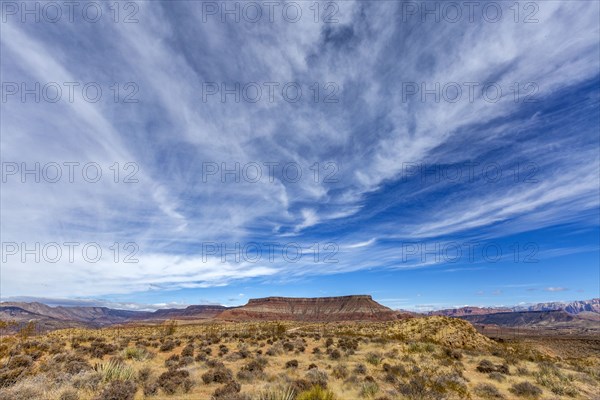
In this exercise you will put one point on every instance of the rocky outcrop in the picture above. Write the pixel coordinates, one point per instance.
(319, 309)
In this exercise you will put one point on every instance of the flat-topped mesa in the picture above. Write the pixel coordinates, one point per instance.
(326, 309)
(310, 299)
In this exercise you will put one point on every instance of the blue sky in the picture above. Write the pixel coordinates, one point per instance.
(420, 183)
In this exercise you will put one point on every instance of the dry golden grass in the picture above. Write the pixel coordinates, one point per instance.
(422, 358)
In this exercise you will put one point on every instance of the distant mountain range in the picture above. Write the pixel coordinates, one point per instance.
(50, 318)
(572, 307)
(579, 314)
(325, 309)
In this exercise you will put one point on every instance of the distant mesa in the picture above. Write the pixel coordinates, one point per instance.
(317, 309)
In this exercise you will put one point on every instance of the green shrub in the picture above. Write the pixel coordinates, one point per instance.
(228, 392)
(173, 361)
(87, 381)
(428, 385)
(21, 392)
(317, 377)
(421, 348)
(369, 389)
(150, 388)
(340, 372)
(172, 380)
(395, 370)
(19, 361)
(280, 393)
(497, 376)
(360, 369)
(316, 393)
(98, 348)
(118, 390)
(252, 370)
(168, 345)
(217, 375)
(525, 389)
(135, 353)
(374, 358)
(144, 374)
(486, 366)
(335, 354)
(487, 391)
(452, 354)
(69, 394)
(188, 351)
(557, 382)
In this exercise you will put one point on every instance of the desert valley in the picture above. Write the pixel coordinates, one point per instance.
(278, 348)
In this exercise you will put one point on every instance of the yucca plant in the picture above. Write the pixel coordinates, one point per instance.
(374, 358)
(280, 393)
(316, 393)
(369, 389)
(115, 371)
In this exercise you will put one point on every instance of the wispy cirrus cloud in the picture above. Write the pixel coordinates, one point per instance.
(369, 136)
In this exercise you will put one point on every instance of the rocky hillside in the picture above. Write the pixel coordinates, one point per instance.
(451, 332)
(326, 309)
